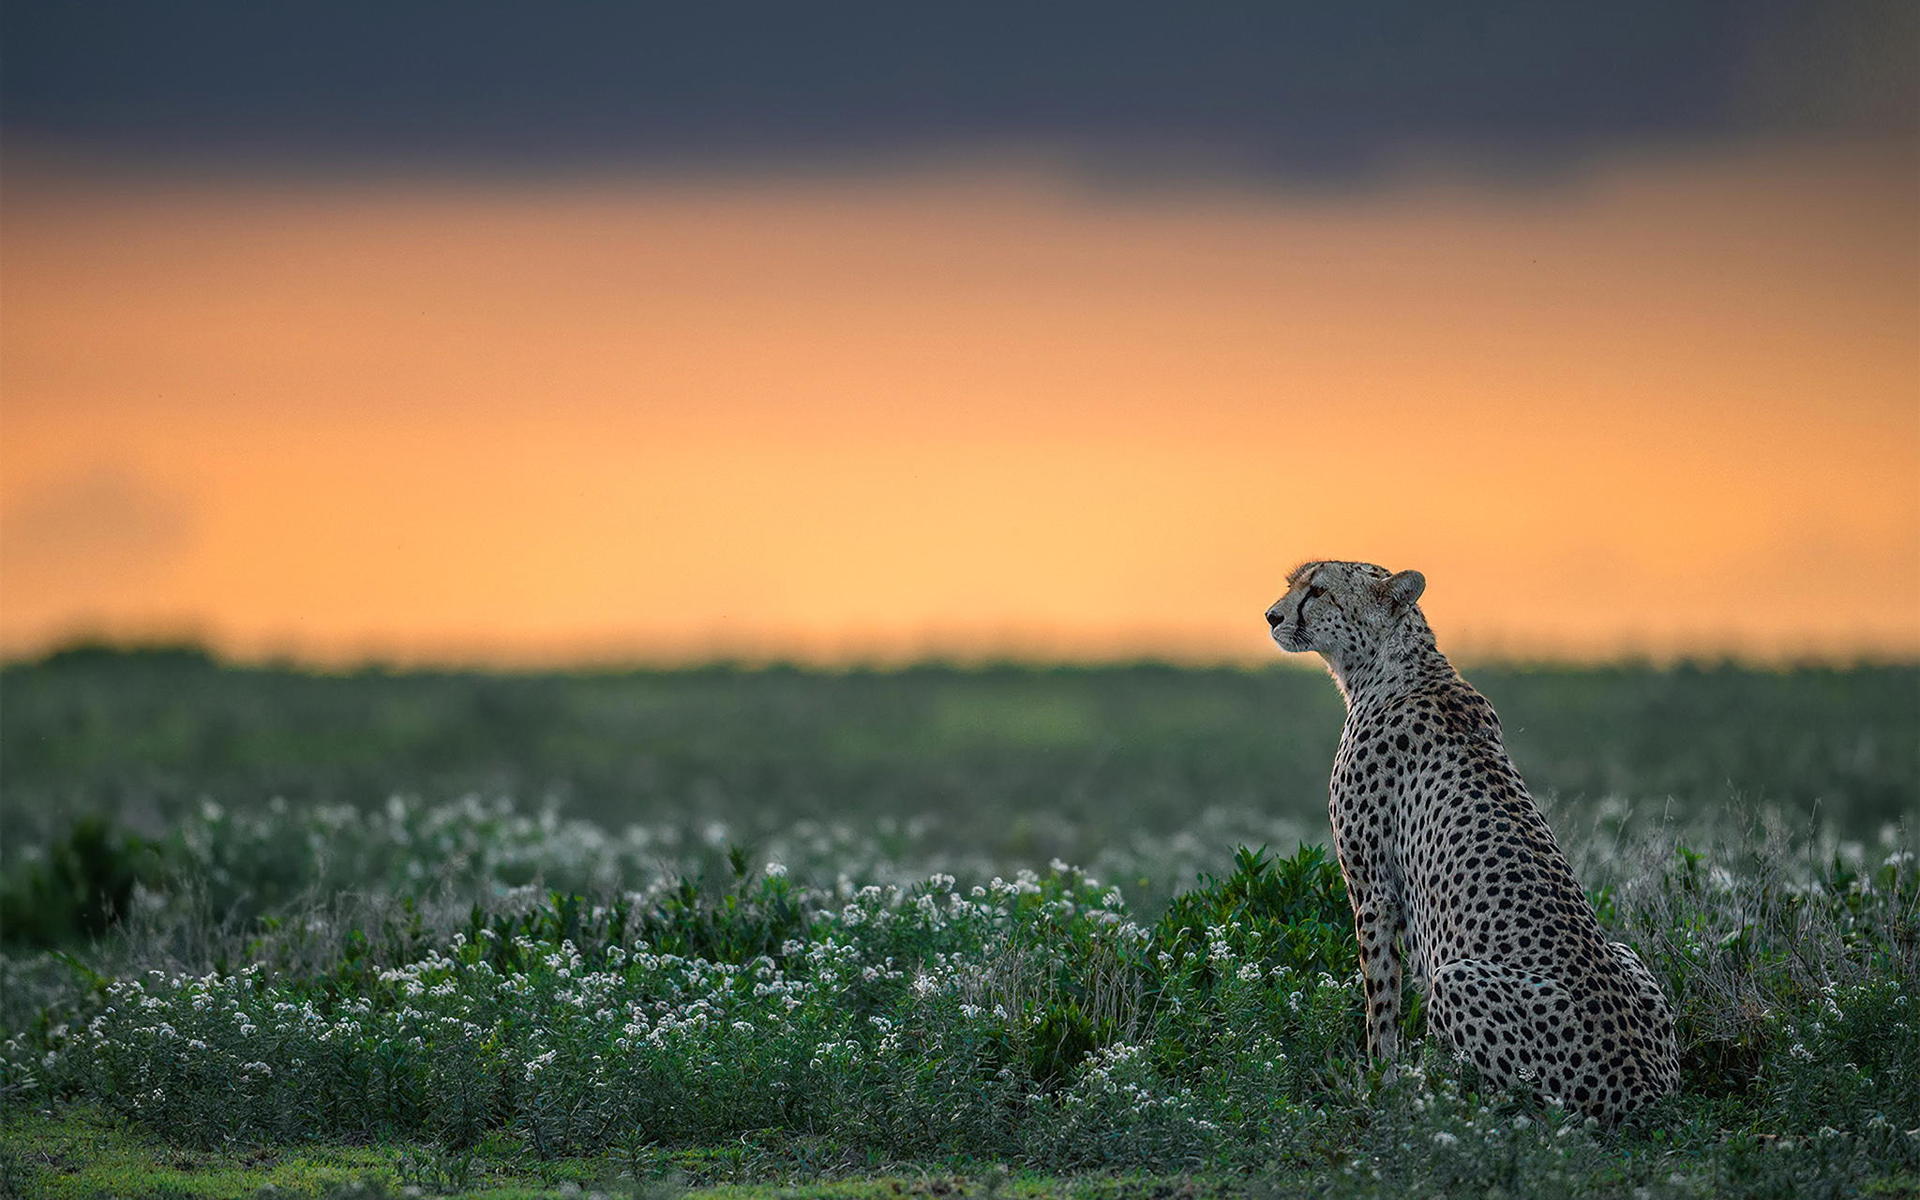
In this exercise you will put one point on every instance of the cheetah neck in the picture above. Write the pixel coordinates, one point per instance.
(1403, 661)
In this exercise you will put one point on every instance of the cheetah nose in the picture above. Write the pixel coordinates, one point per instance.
(1273, 617)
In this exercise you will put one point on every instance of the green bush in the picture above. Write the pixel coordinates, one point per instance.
(1290, 912)
(83, 887)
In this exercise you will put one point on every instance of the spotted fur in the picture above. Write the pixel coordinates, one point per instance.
(1453, 872)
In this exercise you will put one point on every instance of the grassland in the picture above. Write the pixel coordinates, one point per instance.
(927, 932)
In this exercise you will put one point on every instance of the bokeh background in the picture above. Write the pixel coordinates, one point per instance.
(510, 334)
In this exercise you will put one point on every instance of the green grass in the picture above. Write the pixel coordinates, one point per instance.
(88, 1154)
(85, 1154)
(795, 933)
(1012, 761)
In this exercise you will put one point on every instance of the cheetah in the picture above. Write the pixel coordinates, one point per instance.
(1452, 870)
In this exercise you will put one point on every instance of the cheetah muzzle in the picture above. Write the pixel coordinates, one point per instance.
(1454, 873)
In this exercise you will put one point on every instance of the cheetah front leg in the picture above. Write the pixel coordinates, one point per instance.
(1377, 925)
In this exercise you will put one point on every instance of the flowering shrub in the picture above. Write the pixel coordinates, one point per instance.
(1029, 1018)
(238, 864)
(1014, 1014)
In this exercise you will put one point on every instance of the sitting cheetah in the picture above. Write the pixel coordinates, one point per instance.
(1443, 848)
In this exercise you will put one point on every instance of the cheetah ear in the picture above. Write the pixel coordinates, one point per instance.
(1400, 591)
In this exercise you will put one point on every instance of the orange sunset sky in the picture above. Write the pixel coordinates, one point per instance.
(1662, 402)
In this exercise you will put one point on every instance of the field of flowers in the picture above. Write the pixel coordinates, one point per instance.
(326, 992)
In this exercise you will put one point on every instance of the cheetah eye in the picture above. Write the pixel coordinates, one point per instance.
(1313, 591)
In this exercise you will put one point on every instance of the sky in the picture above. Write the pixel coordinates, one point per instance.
(523, 334)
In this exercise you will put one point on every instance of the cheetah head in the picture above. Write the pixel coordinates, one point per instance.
(1341, 609)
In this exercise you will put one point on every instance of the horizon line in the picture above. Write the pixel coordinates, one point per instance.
(201, 651)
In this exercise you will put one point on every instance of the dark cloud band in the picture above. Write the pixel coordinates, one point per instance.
(1304, 90)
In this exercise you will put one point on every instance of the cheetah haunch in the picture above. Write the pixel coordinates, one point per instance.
(1451, 867)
